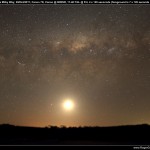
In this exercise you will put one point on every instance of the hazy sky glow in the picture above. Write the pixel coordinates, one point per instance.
(96, 55)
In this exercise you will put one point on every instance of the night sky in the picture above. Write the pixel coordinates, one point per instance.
(96, 55)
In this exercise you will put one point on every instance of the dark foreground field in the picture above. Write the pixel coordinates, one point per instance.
(120, 135)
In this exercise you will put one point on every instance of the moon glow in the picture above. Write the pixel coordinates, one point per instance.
(68, 104)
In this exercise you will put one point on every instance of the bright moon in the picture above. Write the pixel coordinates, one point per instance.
(68, 104)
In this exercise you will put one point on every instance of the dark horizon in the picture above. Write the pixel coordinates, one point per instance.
(64, 126)
(118, 135)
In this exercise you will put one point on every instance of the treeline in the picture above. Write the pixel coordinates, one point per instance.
(129, 134)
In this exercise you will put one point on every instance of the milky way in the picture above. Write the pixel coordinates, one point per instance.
(98, 55)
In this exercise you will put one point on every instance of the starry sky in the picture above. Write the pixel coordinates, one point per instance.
(96, 55)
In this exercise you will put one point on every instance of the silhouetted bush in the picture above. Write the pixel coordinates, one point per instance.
(131, 134)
